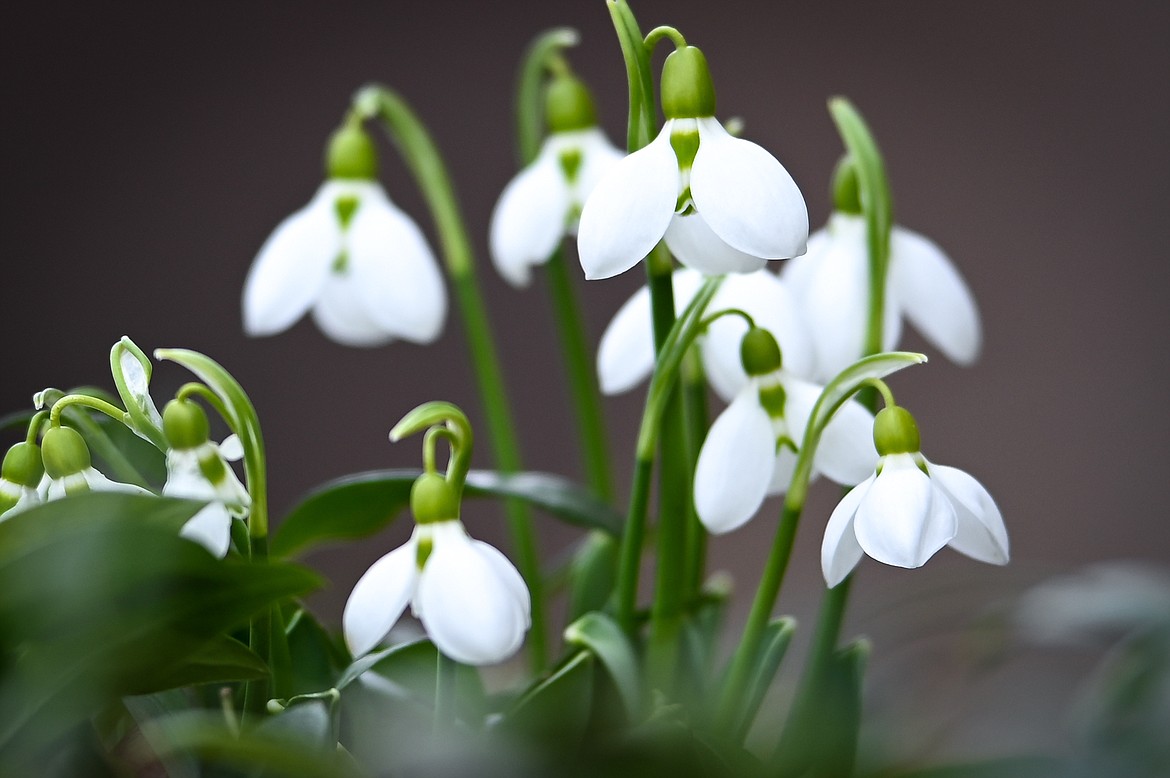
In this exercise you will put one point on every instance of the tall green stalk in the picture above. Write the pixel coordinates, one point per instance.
(430, 173)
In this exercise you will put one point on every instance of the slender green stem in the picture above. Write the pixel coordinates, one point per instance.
(582, 378)
(695, 399)
(34, 426)
(430, 173)
(204, 391)
(84, 400)
(445, 670)
(631, 550)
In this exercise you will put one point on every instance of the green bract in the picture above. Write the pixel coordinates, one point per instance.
(23, 465)
(895, 431)
(568, 104)
(760, 352)
(185, 424)
(432, 499)
(64, 452)
(351, 153)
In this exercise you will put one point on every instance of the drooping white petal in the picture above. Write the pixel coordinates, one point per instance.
(287, 274)
(396, 276)
(981, 532)
(629, 209)
(184, 478)
(340, 316)
(746, 196)
(379, 598)
(509, 575)
(735, 464)
(529, 219)
(797, 271)
(598, 156)
(211, 528)
(903, 519)
(845, 453)
(769, 302)
(840, 551)
(470, 613)
(625, 355)
(99, 483)
(232, 448)
(696, 246)
(22, 498)
(783, 471)
(933, 296)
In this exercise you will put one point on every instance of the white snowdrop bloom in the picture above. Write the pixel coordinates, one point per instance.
(70, 470)
(750, 450)
(831, 283)
(543, 202)
(198, 469)
(625, 355)
(20, 479)
(910, 508)
(471, 601)
(351, 256)
(723, 204)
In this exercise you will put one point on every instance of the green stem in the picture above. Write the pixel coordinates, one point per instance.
(430, 173)
(445, 671)
(631, 549)
(695, 400)
(582, 378)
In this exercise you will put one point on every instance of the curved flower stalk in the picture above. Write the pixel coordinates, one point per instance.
(70, 470)
(351, 256)
(831, 282)
(910, 508)
(625, 355)
(722, 204)
(543, 202)
(750, 451)
(198, 469)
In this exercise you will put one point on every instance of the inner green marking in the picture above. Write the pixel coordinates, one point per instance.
(571, 164)
(346, 207)
(773, 398)
(685, 143)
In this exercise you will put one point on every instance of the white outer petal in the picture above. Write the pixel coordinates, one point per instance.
(379, 598)
(625, 355)
(629, 209)
(903, 519)
(783, 472)
(184, 479)
(598, 156)
(798, 271)
(735, 464)
(287, 274)
(767, 300)
(342, 318)
(470, 613)
(99, 483)
(840, 551)
(507, 573)
(232, 448)
(211, 528)
(845, 453)
(396, 275)
(933, 296)
(529, 219)
(693, 243)
(746, 196)
(981, 532)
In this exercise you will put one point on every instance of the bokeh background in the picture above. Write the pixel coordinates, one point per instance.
(149, 149)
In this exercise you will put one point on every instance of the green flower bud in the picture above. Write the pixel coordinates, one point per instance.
(185, 424)
(351, 153)
(432, 499)
(895, 431)
(687, 91)
(23, 465)
(846, 187)
(759, 352)
(568, 105)
(64, 452)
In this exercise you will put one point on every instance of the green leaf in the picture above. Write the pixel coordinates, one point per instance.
(601, 635)
(102, 598)
(555, 711)
(318, 658)
(360, 505)
(220, 660)
(592, 574)
(411, 668)
(1003, 767)
(774, 645)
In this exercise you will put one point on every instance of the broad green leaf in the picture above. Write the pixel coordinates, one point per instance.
(220, 660)
(555, 711)
(1003, 767)
(103, 598)
(777, 638)
(592, 574)
(601, 635)
(359, 505)
(407, 672)
(318, 659)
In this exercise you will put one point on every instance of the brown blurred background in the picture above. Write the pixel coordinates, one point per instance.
(150, 148)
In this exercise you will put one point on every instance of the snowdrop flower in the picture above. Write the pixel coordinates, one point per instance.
(722, 204)
(625, 355)
(20, 479)
(831, 282)
(350, 255)
(750, 450)
(543, 202)
(197, 470)
(910, 508)
(471, 601)
(70, 470)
